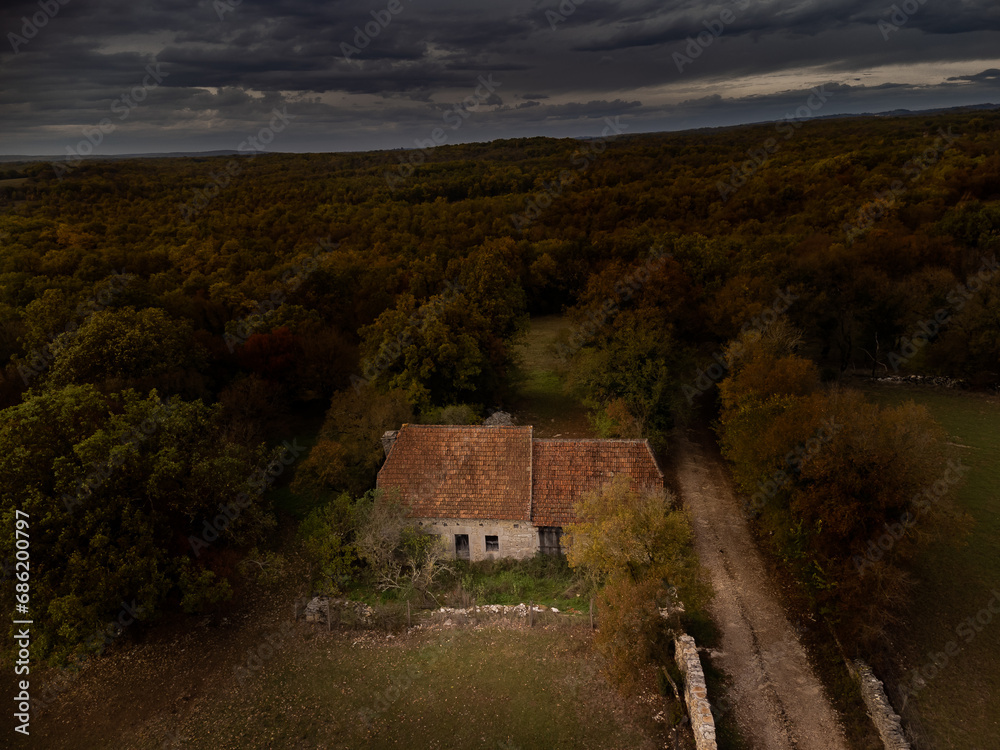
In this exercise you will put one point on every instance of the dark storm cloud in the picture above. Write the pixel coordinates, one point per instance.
(760, 18)
(380, 74)
(987, 76)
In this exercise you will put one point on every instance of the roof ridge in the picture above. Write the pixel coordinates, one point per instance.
(471, 426)
(591, 440)
(531, 474)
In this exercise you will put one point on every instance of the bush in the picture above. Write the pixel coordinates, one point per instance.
(632, 635)
(398, 555)
(326, 535)
(542, 578)
(202, 590)
(459, 414)
(389, 616)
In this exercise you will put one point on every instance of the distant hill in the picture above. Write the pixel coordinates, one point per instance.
(4, 158)
(61, 157)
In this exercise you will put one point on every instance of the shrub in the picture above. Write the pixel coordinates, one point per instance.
(398, 555)
(326, 535)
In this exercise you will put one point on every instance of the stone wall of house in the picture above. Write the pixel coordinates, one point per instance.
(517, 538)
(883, 715)
(695, 693)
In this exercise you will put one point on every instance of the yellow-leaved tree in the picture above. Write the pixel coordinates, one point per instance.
(637, 545)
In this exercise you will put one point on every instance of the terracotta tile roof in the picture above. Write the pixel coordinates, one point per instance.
(461, 472)
(501, 473)
(564, 469)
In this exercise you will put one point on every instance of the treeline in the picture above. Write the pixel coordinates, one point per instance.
(250, 292)
(844, 491)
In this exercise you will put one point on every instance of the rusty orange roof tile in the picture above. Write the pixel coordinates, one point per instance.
(448, 471)
(565, 469)
(501, 473)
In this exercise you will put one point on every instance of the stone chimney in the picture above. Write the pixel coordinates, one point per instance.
(389, 440)
(499, 419)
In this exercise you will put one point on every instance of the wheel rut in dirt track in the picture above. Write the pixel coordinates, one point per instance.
(775, 696)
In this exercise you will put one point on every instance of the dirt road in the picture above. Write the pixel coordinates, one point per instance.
(776, 698)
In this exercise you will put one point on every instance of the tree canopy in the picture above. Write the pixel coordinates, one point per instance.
(116, 486)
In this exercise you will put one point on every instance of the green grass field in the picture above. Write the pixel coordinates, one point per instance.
(542, 579)
(960, 707)
(485, 688)
(542, 398)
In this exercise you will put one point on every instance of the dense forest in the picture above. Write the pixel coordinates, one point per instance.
(163, 320)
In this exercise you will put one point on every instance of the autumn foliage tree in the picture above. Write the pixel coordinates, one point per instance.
(423, 289)
(348, 451)
(637, 545)
(847, 491)
(631, 342)
(438, 352)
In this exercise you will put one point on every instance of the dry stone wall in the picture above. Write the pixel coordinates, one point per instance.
(695, 693)
(883, 715)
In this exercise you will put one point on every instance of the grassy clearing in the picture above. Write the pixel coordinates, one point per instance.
(484, 688)
(255, 680)
(960, 707)
(542, 399)
(542, 579)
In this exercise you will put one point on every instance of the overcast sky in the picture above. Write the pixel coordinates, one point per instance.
(191, 75)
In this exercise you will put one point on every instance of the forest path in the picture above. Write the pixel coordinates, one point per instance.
(775, 696)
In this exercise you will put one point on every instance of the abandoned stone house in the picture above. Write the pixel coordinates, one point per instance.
(496, 491)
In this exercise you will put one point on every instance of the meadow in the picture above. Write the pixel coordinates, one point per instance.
(543, 398)
(957, 578)
(283, 686)
(446, 689)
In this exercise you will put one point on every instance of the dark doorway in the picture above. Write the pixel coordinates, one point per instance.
(462, 546)
(548, 540)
